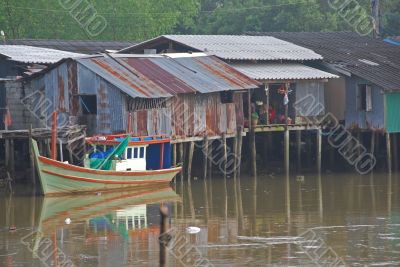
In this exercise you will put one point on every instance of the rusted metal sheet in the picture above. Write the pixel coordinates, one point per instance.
(200, 109)
(150, 70)
(73, 88)
(238, 100)
(230, 118)
(103, 112)
(162, 76)
(211, 121)
(141, 117)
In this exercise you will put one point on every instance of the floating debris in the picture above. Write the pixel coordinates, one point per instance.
(192, 230)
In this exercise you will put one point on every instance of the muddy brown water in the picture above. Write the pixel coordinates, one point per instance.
(272, 220)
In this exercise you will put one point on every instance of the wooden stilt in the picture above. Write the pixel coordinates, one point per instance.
(332, 152)
(234, 151)
(309, 149)
(388, 153)
(239, 149)
(181, 160)
(395, 152)
(7, 154)
(224, 154)
(12, 162)
(31, 158)
(286, 152)
(70, 154)
(359, 139)
(61, 152)
(298, 147)
(54, 137)
(253, 152)
(205, 156)
(319, 149)
(190, 160)
(47, 144)
(372, 148)
(210, 157)
(174, 154)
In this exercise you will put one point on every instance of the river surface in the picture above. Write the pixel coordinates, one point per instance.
(273, 220)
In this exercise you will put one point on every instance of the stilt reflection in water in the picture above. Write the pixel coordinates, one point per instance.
(247, 221)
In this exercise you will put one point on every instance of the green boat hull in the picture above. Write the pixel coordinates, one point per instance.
(59, 178)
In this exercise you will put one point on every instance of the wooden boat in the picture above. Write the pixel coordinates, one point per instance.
(142, 164)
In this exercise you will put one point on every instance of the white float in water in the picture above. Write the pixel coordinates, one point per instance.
(67, 221)
(192, 230)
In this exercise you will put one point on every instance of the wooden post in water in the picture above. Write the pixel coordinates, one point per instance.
(210, 157)
(7, 154)
(298, 147)
(61, 152)
(190, 160)
(205, 156)
(70, 154)
(31, 158)
(181, 160)
(239, 149)
(395, 152)
(224, 153)
(319, 149)
(253, 152)
(372, 148)
(163, 232)
(359, 139)
(54, 137)
(174, 154)
(234, 150)
(46, 143)
(286, 152)
(388, 153)
(12, 162)
(162, 156)
(287, 134)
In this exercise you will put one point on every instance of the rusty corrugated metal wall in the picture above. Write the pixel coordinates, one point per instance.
(111, 102)
(183, 115)
(189, 115)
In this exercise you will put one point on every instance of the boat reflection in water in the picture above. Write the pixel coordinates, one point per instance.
(99, 229)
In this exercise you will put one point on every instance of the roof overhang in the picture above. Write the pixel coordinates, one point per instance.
(282, 71)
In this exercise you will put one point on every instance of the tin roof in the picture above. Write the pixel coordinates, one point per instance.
(154, 76)
(31, 54)
(236, 47)
(371, 59)
(284, 71)
(75, 46)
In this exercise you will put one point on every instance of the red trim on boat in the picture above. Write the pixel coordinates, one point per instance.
(90, 180)
(102, 172)
(132, 143)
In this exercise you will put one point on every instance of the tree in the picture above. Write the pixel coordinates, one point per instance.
(125, 19)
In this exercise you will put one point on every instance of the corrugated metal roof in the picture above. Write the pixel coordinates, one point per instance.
(368, 58)
(238, 47)
(285, 71)
(31, 54)
(164, 76)
(76, 46)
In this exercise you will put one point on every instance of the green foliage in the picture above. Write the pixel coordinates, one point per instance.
(144, 19)
(126, 19)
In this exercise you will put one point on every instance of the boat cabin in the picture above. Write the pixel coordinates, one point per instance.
(141, 153)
